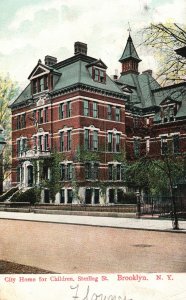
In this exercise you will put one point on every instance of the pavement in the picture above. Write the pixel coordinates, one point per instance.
(152, 224)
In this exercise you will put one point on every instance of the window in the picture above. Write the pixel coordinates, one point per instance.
(117, 142)
(99, 75)
(87, 139)
(114, 171)
(39, 84)
(164, 145)
(69, 171)
(62, 171)
(46, 82)
(91, 170)
(86, 108)
(46, 173)
(69, 140)
(69, 196)
(176, 144)
(40, 116)
(95, 171)
(117, 115)
(95, 140)
(18, 122)
(95, 110)
(110, 171)
(88, 171)
(40, 148)
(118, 172)
(69, 109)
(21, 121)
(136, 147)
(110, 142)
(136, 121)
(46, 145)
(35, 143)
(34, 84)
(21, 146)
(18, 148)
(61, 111)
(46, 114)
(109, 112)
(61, 141)
(62, 196)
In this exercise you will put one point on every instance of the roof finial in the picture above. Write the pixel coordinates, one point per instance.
(129, 29)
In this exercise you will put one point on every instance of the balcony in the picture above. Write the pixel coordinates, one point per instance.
(34, 154)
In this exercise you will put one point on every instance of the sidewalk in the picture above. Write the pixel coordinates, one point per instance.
(125, 223)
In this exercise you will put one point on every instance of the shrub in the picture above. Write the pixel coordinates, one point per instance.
(30, 195)
(128, 198)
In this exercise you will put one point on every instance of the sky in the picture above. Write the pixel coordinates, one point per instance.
(31, 29)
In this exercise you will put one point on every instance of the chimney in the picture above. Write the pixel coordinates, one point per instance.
(115, 77)
(80, 48)
(50, 60)
(147, 72)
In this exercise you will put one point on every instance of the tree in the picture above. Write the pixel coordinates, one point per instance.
(8, 91)
(165, 39)
(158, 176)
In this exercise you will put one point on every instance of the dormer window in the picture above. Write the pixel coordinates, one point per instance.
(99, 75)
(40, 84)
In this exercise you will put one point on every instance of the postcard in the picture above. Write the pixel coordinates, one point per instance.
(92, 150)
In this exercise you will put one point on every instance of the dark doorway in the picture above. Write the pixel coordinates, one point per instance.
(70, 196)
(96, 196)
(88, 196)
(46, 196)
(111, 195)
(62, 196)
(30, 175)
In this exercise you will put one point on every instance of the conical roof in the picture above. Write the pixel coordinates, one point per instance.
(129, 51)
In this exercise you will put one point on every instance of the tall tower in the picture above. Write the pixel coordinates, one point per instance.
(129, 58)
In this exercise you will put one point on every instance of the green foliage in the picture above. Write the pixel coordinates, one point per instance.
(164, 39)
(31, 195)
(85, 155)
(8, 91)
(155, 175)
(128, 198)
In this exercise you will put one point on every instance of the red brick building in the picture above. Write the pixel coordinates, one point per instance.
(74, 108)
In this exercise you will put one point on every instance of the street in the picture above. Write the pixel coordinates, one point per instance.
(69, 248)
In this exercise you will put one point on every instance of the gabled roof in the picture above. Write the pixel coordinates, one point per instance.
(41, 69)
(73, 74)
(97, 63)
(129, 51)
(168, 101)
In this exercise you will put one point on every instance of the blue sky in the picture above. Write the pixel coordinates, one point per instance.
(31, 29)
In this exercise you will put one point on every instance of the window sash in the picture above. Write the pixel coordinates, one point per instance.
(86, 108)
(68, 140)
(87, 139)
(61, 141)
(69, 109)
(109, 112)
(95, 110)
(110, 172)
(95, 140)
(62, 171)
(117, 142)
(61, 111)
(117, 114)
(69, 171)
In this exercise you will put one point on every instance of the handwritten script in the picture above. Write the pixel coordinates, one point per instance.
(91, 295)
